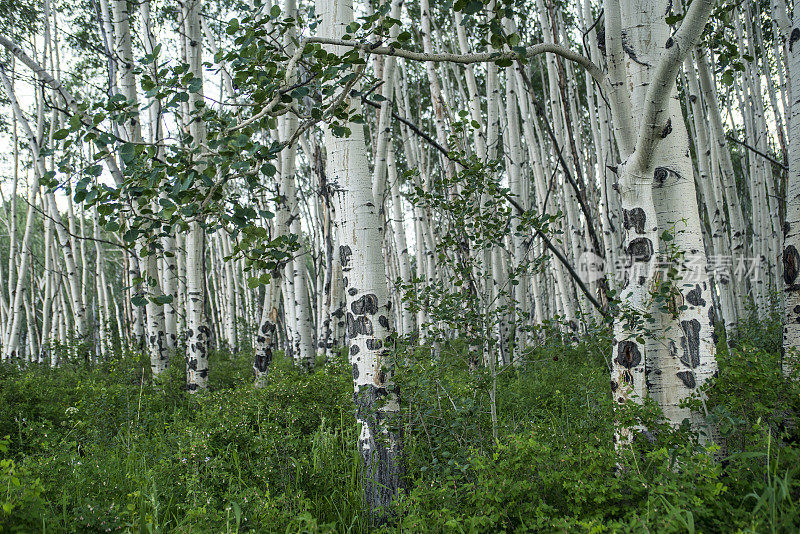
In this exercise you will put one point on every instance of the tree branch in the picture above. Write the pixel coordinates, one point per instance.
(677, 48)
(480, 57)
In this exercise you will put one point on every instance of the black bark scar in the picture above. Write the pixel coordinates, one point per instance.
(628, 50)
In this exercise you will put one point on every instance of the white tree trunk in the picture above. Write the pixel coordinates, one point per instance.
(791, 244)
(360, 239)
(197, 331)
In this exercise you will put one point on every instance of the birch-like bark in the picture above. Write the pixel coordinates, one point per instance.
(197, 331)
(657, 189)
(791, 238)
(267, 334)
(14, 324)
(360, 240)
(131, 130)
(401, 244)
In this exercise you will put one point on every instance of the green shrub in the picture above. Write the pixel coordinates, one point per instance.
(101, 449)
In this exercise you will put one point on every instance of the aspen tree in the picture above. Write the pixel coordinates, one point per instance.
(791, 238)
(197, 331)
(368, 305)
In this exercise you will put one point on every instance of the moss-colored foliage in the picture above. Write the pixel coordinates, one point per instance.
(100, 449)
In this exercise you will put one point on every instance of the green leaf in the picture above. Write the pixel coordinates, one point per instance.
(127, 152)
(673, 19)
(340, 131)
(727, 78)
(162, 299)
(61, 134)
(472, 7)
(94, 170)
(131, 235)
(195, 85)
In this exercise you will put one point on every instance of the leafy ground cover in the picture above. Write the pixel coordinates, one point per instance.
(101, 449)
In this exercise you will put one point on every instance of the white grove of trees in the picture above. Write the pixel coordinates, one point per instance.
(631, 174)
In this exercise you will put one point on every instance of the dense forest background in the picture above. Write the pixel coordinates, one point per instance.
(336, 266)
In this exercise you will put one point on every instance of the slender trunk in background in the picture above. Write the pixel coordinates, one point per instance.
(131, 130)
(267, 334)
(197, 331)
(14, 325)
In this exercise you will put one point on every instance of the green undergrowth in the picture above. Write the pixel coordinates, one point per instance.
(101, 449)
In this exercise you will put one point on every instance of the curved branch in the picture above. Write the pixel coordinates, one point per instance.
(479, 57)
(677, 48)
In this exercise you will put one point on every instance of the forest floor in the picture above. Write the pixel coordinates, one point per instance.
(100, 449)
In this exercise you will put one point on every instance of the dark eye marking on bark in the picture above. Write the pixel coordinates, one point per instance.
(374, 344)
(794, 37)
(263, 360)
(628, 354)
(667, 129)
(629, 50)
(640, 249)
(344, 254)
(352, 291)
(669, 43)
(791, 266)
(660, 176)
(355, 371)
(346, 281)
(614, 386)
(358, 325)
(695, 296)
(354, 350)
(690, 343)
(627, 377)
(635, 219)
(384, 322)
(366, 305)
(687, 377)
